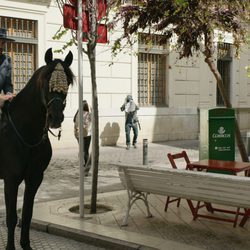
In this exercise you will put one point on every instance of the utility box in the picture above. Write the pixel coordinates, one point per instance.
(221, 134)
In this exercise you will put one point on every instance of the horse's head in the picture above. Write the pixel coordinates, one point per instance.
(59, 77)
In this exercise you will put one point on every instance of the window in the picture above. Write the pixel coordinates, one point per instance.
(23, 50)
(224, 67)
(151, 71)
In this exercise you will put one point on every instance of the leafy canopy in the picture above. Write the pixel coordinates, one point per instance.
(187, 21)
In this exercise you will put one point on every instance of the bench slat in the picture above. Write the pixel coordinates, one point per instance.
(202, 186)
(196, 181)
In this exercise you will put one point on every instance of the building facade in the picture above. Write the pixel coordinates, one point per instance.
(169, 92)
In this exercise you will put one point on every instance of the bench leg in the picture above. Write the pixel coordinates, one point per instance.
(125, 220)
(144, 197)
(132, 198)
(236, 216)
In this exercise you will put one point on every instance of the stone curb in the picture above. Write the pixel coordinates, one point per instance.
(86, 237)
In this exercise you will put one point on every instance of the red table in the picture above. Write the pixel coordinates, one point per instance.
(231, 166)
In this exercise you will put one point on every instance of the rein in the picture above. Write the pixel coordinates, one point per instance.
(45, 129)
(44, 136)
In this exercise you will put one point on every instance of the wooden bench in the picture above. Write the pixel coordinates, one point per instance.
(228, 190)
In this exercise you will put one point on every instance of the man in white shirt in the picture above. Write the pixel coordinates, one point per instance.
(131, 120)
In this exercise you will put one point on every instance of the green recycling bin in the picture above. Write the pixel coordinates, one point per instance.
(221, 140)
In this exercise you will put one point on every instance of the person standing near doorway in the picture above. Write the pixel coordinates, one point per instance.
(131, 120)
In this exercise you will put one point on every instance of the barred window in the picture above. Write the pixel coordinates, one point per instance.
(224, 56)
(23, 51)
(151, 72)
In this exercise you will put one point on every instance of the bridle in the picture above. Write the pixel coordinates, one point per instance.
(57, 83)
(46, 128)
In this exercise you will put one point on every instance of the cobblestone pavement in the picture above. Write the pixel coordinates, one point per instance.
(61, 180)
(45, 241)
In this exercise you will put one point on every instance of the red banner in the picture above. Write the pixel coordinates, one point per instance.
(102, 9)
(70, 18)
(70, 21)
(102, 33)
(101, 6)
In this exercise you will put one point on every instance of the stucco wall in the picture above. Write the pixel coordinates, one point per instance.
(190, 84)
(156, 125)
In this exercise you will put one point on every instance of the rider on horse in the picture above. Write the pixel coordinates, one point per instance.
(6, 85)
(4, 98)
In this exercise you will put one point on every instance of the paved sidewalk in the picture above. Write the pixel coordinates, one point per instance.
(172, 230)
(44, 241)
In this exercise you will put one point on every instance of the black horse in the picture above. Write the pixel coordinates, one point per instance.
(25, 149)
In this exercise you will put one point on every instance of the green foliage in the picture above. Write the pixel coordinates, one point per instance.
(116, 47)
(188, 22)
(60, 33)
(182, 3)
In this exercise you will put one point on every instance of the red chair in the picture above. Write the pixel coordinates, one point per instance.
(172, 158)
(194, 210)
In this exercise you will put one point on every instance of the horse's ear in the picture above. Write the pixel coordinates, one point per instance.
(68, 59)
(48, 56)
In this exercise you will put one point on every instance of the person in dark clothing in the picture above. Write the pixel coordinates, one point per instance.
(6, 85)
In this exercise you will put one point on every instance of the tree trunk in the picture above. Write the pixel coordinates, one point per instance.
(95, 133)
(227, 104)
(95, 123)
(208, 52)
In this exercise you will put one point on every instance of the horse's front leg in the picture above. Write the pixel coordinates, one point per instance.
(10, 194)
(31, 187)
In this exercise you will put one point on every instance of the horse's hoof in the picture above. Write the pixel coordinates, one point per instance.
(27, 248)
